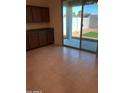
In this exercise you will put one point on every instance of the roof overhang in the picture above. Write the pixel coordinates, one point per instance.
(78, 2)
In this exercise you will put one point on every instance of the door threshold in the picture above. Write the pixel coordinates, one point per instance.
(82, 49)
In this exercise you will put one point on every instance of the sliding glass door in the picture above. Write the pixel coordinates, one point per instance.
(71, 24)
(90, 27)
(84, 36)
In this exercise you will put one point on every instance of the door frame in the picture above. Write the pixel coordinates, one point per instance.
(81, 31)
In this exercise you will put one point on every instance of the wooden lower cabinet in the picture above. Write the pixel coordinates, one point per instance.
(33, 39)
(39, 37)
(42, 38)
(27, 42)
(50, 37)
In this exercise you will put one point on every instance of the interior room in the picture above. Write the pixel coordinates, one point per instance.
(62, 46)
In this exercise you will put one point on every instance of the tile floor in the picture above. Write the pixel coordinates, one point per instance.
(33, 91)
(55, 69)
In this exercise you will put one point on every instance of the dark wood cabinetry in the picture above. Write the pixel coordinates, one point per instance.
(50, 37)
(33, 39)
(45, 14)
(29, 14)
(27, 42)
(37, 14)
(39, 37)
(42, 37)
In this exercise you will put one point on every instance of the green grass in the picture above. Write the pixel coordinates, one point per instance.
(91, 34)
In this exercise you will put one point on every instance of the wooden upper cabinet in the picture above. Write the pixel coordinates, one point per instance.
(45, 14)
(37, 14)
(28, 14)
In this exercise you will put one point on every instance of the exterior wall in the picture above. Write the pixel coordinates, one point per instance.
(93, 21)
(86, 22)
(90, 22)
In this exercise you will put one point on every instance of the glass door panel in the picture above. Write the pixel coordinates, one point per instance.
(89, 37)
(72, 23)
(64, 22)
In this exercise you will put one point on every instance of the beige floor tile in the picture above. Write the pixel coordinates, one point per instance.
(62, 70)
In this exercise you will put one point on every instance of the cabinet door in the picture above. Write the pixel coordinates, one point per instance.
(33, 39)
(50, 36)
(45, 14)
(27, 42)
(42, 37)
(28, 14)
(36, 13)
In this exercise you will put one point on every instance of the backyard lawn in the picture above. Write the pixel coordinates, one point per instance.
(91, 34)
